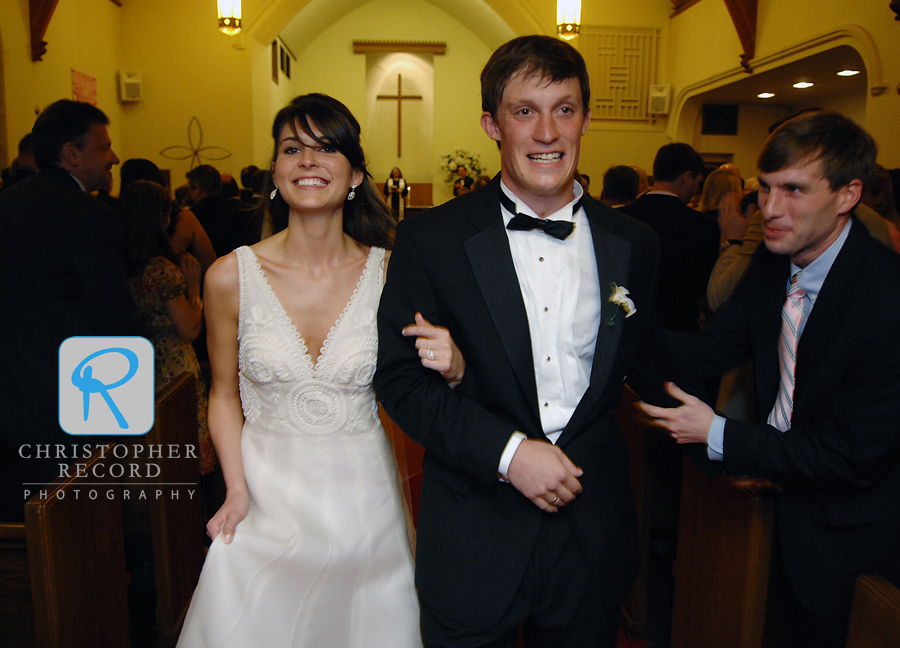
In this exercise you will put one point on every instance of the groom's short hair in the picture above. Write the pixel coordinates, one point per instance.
(543, 57)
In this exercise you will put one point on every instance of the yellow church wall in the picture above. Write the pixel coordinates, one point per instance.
(328, 65)
(608, 143)
(268, 98)
(705, 52)
(83, 36)
(188, 69)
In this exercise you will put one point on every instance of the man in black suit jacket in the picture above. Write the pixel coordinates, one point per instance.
(689, 240)
(62, 274)
(837, 462)
(23, 167)
(226, 222)
(526, 513)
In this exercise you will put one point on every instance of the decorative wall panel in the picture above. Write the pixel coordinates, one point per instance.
(622, 67)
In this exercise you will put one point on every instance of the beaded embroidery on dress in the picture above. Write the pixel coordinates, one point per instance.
(323, 557)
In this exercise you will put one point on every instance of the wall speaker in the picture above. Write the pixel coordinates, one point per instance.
(659, 99)
(130, 88)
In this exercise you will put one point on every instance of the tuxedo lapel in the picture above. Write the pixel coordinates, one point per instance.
(492, 264)
(613, 255)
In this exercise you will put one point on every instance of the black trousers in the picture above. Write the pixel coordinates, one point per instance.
(559, 602)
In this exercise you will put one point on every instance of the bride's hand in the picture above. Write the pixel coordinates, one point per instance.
(234, 510)
(437, 349)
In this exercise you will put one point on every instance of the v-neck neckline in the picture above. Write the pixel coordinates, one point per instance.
(298, 340)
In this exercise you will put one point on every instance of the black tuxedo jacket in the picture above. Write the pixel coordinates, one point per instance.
(62, 274)
(476, 533)
(689, 248)
(839, 464)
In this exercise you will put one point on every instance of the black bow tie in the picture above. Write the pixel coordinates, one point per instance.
(522, 222)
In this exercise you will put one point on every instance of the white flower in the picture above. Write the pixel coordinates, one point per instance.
(619, 297)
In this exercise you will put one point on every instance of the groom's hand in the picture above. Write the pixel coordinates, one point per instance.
(544, 474)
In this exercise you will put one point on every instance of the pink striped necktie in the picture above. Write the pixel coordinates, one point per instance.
(791, 314)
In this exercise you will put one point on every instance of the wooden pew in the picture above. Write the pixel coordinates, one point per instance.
(875, 615)
(409, 462)
(176, 524)
(634, 611)
(16, 604)
(722, 569)
(66, 566)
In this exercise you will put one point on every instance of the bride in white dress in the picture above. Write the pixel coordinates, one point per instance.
(310, 547)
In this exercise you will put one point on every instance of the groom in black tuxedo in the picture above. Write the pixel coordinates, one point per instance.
(526, 514)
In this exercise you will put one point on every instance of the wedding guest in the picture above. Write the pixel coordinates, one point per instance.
(166, 288)
(185, 232)
(62, 274)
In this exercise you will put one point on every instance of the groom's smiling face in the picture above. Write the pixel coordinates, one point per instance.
(539, 125)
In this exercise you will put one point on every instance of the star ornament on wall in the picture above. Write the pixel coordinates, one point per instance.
(195, 151)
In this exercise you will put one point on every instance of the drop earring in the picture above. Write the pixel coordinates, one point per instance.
(352, 194)
(274, 193)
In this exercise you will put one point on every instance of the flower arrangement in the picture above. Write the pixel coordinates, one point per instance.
(461, 158)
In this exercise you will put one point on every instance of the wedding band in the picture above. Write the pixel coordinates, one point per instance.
(430, 354)
(555, 499)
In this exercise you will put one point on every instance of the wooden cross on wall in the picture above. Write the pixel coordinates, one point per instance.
(399, 97)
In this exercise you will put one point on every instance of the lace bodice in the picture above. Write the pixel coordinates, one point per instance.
(281, 389)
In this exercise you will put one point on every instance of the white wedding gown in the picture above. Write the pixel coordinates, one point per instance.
(323, 558)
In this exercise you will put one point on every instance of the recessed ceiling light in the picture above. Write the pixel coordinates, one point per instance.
(766, 95)
(848, 73)
(803, 84)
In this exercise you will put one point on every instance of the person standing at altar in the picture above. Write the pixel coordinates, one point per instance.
(816, 313)
(526, 516)
(464, 182)
(395, 192)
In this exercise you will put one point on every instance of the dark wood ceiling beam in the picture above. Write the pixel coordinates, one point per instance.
(743, 15)
(39, 12)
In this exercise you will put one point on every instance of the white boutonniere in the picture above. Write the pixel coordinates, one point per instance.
(619, 297)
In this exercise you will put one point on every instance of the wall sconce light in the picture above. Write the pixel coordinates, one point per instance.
(568, 18)
(229, 16)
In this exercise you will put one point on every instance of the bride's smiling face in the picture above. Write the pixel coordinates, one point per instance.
(312, 176)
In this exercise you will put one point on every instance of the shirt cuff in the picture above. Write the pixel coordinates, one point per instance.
(506, 458)
(715, 440)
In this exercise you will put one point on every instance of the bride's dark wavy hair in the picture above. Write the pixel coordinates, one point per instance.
(367, 219)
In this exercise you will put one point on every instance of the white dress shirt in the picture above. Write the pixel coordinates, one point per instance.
(561, 291)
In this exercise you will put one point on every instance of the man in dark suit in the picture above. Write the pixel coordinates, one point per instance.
(62, 274)
(689, 240)
(24, 166)
(526, 513)
(464, 182)
(227, 224)
(828, 427)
